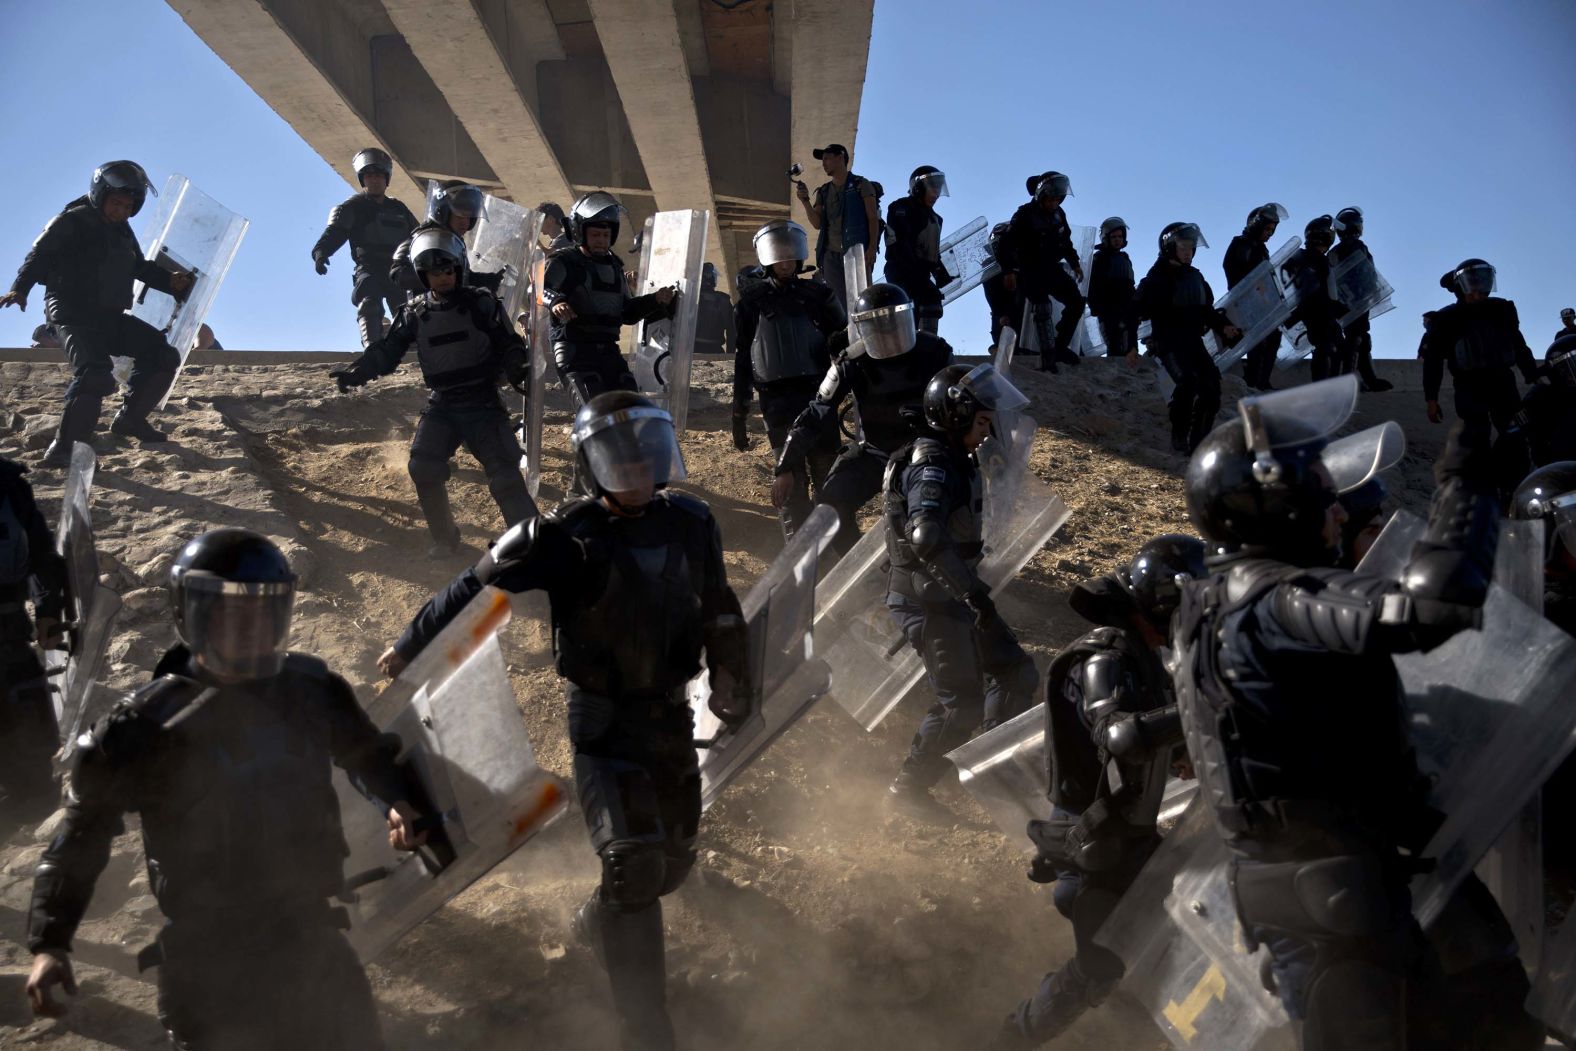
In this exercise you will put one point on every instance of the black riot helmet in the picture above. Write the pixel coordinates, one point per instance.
(120, 177)
(781, 240)
(459, 198)
(1549, 493)
(1155, 575)
(1053, 185)
(622, 442)
(1320, 232)
(1111, 226)
(708, 277)
(595, 209)
(1264, 481)
(956, 394)
(438, 249)
(1349, 221)
(1559, 361)
(1175, 232)
(883, 321)
(927, 176)
(1270, 214)
(372, 159)
(1469, 276)
(233, 593)
(998, 234)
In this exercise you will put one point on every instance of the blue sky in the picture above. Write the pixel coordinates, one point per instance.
(1448, 122)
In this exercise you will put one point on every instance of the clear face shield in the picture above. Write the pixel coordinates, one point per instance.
(1190, 233)
(1057, 186)
(468, 201)
(886, 332)
(782, 244)
(991, 390)
(935, 182)
(236, 630)
(1296, 416)
(1349, 221)
(126, 177)
(631, 450)
(1479, 279)
(1353, 461)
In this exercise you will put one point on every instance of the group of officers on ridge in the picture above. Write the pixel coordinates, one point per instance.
(1281, 692)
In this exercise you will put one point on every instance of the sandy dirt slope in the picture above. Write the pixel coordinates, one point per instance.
(815, 917)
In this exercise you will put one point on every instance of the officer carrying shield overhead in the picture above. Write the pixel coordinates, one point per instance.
(935, 541)
(88, 258)
(457, 208)
(1113, 737)
(1038, 242)
(1180, 307)
(1292, 705)
(29, 568)
(913, 245)
(886, 368)
(1359, 340)
(585, 289)
(374, 224)
(226, 758)
(787, 328)
(1246, 251)
(607, 561)
(464, 344)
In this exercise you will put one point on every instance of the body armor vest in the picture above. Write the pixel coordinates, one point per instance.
(451, 348)
(382, 228)
(787, 344)
(1479, 336)
(883, 387)
(962, 501)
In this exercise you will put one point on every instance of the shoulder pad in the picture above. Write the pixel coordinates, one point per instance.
(1253, 574)
(1101, 638)
(685, 502)
(160, 700)
(1102, 675)
(927, 451)
(517, 540)
(571, 511)
(308, 666)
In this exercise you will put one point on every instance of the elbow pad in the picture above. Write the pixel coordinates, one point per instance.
(942, 561)
(1338, 619)
(1142, 735)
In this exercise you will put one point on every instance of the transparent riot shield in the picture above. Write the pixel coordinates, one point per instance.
(1296, 345)
(468, 760)
(787, 677)
(967, 257)
(502, 243)
(1176, 932)
(673, 252)
(92, 607)
(1361, 288)
(1006, 347)
(1258, 305)
(540, 343)
(189, 233)
(873, 666)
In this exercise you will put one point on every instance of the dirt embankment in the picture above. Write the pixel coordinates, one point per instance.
(815, 918)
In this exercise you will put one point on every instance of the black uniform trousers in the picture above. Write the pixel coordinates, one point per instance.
(852, 480)
(372, 293)
(1196, 399)
(29, 736)
(89, 344)
(781, 404)
(1039, 289)
(590, 369)
(488, 433)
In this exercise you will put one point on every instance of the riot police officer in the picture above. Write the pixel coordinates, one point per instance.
(786, 326)
(463, 345)
(935, 540)
(1039, 241)
(1549, 493)
(1478, 338)
(1317, 306)
(88, 258)
(886, 368)
(1291, 705)
(714, 333)
(1180, 307)
(1006, 308)
(1548, 411)
(1108, 705)
(374, 224)
(1359, 341)
(607, 561)
(1246, 251)
(913, 245)
(584, 288)
(1567, 323)
(1111, 289)
(457, 208)
(226, 756)
(29, 567)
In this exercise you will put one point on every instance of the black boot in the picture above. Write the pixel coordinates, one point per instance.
(132, 419)
(434, 501)
(910, 790)
(636, 960)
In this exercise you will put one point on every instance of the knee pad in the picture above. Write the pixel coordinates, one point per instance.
(425, 470)
(633, 874)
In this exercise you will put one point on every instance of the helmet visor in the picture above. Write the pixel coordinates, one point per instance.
(886, 331)
(631, 449)
(1480, 277)
(127, 177)
(782, 244)
(936, 181)
(468, 201)
(1355, 459)
(1053, 186)
(1561, 367)
(1271, 213)
(991, 390)
(1349, 220)
(236, 629)
(436, 250)
(1188, 232)
(373, 159)
(1298, 415)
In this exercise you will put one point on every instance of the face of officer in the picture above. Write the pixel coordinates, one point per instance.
(1116, 239)
(785, 270)
(1185, 251)
(442, 281)
(1267, 231)
(461, 224)
(1335, 516)
(551, 226)
(118, 206)
(376, 183)
(599, 239)
(975, 436)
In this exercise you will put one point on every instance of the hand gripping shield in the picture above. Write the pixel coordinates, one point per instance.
(189, 233)
(967, 257)
(786, 676)
(673, 252)
(1177, 934)
(1258, 305)
(92, 607)
(873, 667)
(468, 761)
